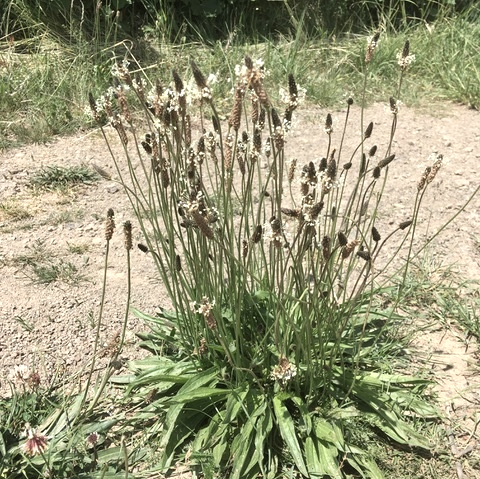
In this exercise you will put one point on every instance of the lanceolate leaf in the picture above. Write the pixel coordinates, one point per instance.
(287, 431)
(171, 419)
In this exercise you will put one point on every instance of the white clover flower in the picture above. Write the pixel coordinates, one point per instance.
(36, 442)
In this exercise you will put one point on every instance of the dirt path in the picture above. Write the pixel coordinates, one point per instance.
(51, 325)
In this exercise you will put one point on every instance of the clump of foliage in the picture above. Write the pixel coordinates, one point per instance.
(275, 349)
(55, 177)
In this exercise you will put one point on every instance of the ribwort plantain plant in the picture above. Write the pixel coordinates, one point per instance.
(273, 349)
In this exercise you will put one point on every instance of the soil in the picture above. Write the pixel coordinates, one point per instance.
(51, 325)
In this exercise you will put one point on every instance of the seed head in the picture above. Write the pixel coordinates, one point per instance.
(371, 47)
(257, 140)
(165, 177)
(201, 222)
(205, 308)
(291, 170)
(118, 125)
(92, 438)
(405, 224)
(394, 104)
(248, 62)
(435, 167)
(123, 104)
(291, 212)
(198, 76)
(364, 255)
(284, 372)
(342, 239)
(375, 235)
(127, 235)
(215, 123)
(255, 108)
(404, 58)
(261, 118)
(277, 123)
(372, 151)
(376, 172)
(316, 209)
(179, 88)
(323, 164)
(350, 101)
(227, 159)
(244, 249)
(368, 131)
(142, 248)
(236, 114)
(328, 124)
(292, 86)
(241, 162)
(109, 224)
(348, 249)
(386, 161)
(178, 263)
(332, 167)
(94, 107)
(363, 164)
(326, 242)
(257, 234)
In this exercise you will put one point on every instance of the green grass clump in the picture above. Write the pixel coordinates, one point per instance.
(61, 177)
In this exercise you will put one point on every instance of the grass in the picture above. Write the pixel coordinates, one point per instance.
(62, 178)
(41, 266)
(60, 271)
(328, 67)
(437, 294)
(11, 210)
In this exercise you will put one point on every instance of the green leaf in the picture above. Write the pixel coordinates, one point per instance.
(241, 449)
(328, 455)
(304, 413)
(171, 419)
(314, 465)
(287, 431)
(366, 466)
(263, 428)
(234, 403)
(199, 393)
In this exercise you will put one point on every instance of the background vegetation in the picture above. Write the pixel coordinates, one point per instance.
(65, 49)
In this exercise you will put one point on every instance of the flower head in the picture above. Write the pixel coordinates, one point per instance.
(372, 44)
(36, 442)
(22, 375)
(205, 307)
(284, 371)
(404, 58)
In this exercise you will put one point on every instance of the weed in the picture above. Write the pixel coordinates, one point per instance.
(25, 324)
(36, 253)
(66, 216)
(78, 248)
(276, 326)
(49, 272)
(11, 210)
(62, 178)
